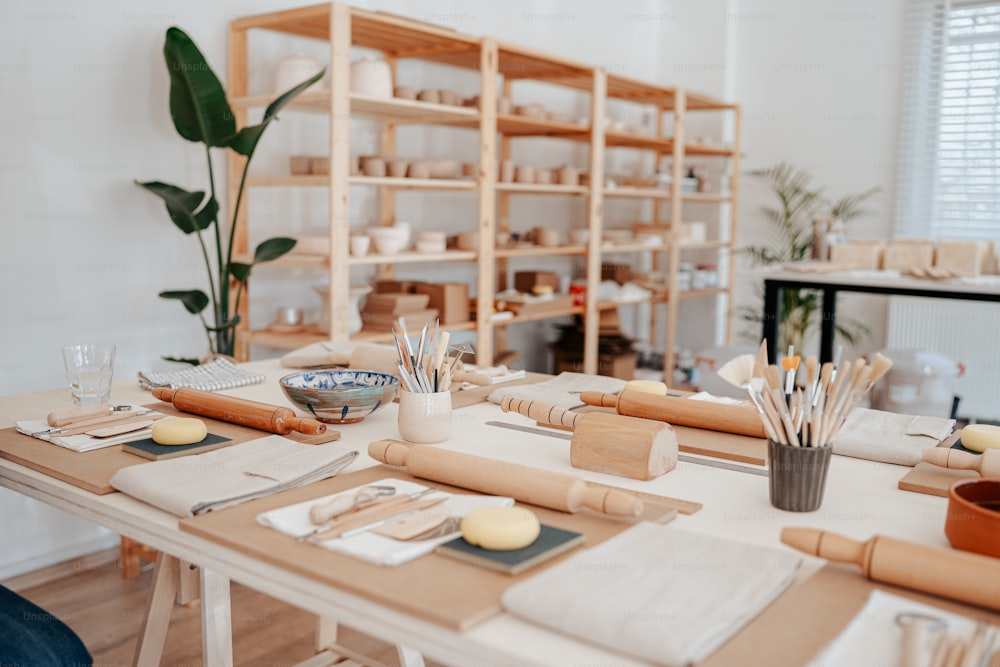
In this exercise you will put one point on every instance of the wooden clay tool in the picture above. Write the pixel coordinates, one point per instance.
(986, 464)
(529, 485)
(70, 416)
(241, 411)
(742, 420)
(615, 444)
(958, 575)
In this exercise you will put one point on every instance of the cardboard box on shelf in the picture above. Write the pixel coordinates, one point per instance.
(384, 286)
(620, 273)
(450, 299)
(858, 254)
(971, 257)
(612, 365)
(903, 254)
(525, 281)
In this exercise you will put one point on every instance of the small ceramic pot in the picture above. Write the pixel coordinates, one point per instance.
(548, 238)
(524, 173)
(396, 167)
(429, 95)
(360, 244)
(569, 176)
(504, 106)
(424, 418)
(543, 176)
(371, 77)
(556, 116)
(470, 169)
(372, 165)
(507, 171)
(973, 520)
(355, 165)
(530, 110)
(448, 96)
(468, 241)
(289, 315)
(419, 169)
(300, 165)
(579, 236)
(405, 92)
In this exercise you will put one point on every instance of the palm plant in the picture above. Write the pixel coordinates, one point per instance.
(790, 240)
(201, 113)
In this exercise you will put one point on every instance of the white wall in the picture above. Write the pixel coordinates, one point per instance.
(83, 251)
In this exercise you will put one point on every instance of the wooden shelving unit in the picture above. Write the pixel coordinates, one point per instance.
(499, 67)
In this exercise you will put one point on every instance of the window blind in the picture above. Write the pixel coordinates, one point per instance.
(948, 183)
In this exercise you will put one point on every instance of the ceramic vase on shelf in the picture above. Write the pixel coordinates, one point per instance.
(354, 323)
(371, 77)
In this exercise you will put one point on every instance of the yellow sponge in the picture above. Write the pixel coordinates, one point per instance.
(980, 437)
(647, 387)
(500, 528)
(179, 431)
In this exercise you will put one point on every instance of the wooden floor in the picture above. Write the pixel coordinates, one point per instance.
(107, 611)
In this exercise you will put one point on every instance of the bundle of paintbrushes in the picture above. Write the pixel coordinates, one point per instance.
(808, 411)
(428, 367)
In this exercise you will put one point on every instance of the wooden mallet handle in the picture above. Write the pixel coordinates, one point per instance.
(263, 416)
(987, 463)
(540, 412)
(529, 485)
(710, 415)
(959, 575)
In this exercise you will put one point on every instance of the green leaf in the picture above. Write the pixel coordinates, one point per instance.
(182, 205)
(240, 271)
(227, 325)
(182, 360)
(194, 300)
(272, 249)
(245, 142)
(198, 104)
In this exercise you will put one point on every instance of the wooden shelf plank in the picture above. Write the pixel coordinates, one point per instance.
(323, 180)
(627, 140)
(607, 248)
(541, 250)
(513, 125)
(537, 188)
(541, 315)
(702, 245)
(637, 193)
(411, 257)
(706, 197)
(289, 181)
(694, 293)
(392, 109)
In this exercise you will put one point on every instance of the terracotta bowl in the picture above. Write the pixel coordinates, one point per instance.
(973, 522)
(340, 396)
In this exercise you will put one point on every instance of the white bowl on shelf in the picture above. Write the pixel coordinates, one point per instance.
(389, 240)
(371, 77)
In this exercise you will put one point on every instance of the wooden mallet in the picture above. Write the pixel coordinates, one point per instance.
(738, 419)
(602, 442)
(530, 485)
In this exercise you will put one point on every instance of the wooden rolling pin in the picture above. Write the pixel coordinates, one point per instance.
(615, 444)
(529, 485)
(241, 411)
(742, 420)
(986, 464)
(958, 575)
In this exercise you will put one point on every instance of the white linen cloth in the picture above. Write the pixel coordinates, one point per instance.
(199, 483)
(37, 428)
(874, 638)
(326, 353)
(216, 375)
(370, 546)
(562, 391)
(660, 593)
(889, 437)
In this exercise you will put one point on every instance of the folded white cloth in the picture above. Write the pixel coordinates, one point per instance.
(889, 437)
(562, 391)
(874, 637)
(657, 592)
(39, 428)
(326, 353)
(200, 483)
(216, 375)
(370, 546)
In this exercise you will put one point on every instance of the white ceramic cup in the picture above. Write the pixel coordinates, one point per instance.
(360, 244)
(89, 368)
(424, 418)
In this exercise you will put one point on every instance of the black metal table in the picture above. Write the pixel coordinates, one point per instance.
(865, 282)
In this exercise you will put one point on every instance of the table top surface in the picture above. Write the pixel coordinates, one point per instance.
(985, 284)
(861, 500)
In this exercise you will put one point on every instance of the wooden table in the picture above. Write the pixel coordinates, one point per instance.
(861, 500)
(986, 288)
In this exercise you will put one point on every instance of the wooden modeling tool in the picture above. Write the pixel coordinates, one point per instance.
(602, 442)
(986, 464)
(529, 485)
(958, 575)
(71, 416)
(742, 420)
(271, 418)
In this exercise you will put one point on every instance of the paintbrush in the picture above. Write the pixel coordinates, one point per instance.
(791, 366)
(760, 361)
(738, 370)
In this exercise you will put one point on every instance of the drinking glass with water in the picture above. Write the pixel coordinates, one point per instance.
(89, 368)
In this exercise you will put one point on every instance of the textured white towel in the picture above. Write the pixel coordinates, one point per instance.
(216, 375)
(889, 437)
(657, 592)
(200, 483)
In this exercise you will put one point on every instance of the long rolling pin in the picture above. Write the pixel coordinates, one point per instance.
(614, 444)
(529, 485)
(709, 415)
(986, 464)
(958, 575)
(241, 411)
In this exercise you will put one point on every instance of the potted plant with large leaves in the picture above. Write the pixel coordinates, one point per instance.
(790, 227)
(201, 114)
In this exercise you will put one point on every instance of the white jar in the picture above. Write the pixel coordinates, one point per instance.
(371, 77)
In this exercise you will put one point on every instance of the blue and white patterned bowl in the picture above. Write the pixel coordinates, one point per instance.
(340, 396)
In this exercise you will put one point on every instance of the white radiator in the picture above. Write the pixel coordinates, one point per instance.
(966, 331)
